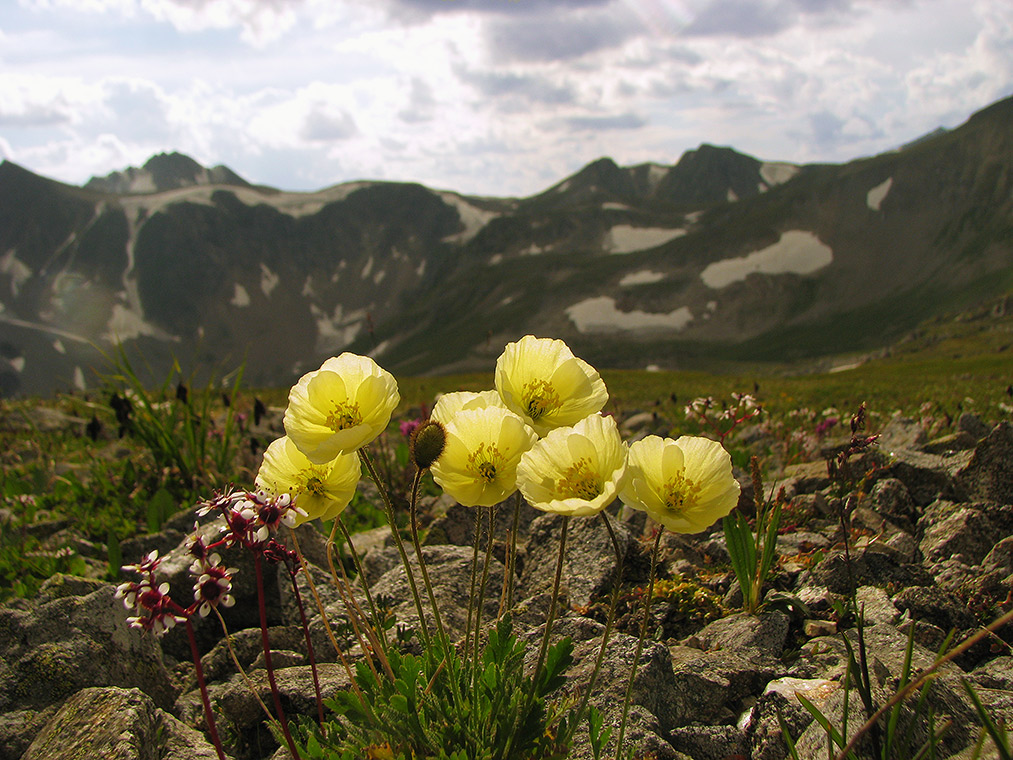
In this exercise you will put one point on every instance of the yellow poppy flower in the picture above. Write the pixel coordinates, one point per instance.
(322, 491)
(478, 466)
(340, 407)
(449, 404)
(542, 381)
(684, 484)
(576, 470)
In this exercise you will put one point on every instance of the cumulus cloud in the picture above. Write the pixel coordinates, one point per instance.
(421, 103)
(323, 124)
(259, 21)
(559, 37)
(608, 121)
(754, 18)
(417, 10)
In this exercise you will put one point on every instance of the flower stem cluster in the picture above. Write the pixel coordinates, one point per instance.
(540, 434)
(724, 418)
(251, 519)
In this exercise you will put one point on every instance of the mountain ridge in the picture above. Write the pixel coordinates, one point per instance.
(716, 259)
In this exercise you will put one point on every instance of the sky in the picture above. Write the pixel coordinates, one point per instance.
(484, 97)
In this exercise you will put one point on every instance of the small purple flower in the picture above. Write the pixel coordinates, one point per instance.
(408, 427)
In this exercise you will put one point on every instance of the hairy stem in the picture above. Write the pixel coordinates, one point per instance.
(640, 644)
(389, 507)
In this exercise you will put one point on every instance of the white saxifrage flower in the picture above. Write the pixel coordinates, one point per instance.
(542, 381)
(684, 484)
(576, 470)
(340, 407)
(320, 491)
(478, 465)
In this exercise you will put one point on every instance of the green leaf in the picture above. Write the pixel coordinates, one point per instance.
(160, 507)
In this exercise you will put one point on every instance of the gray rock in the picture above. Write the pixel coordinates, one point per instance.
(964, 534)
(450, 571)
(1000, 557)
(710, 742)
(116, 724)
(902, 433)
(590, 564)
(997, 673)
(948, 444)
(722, 680)
(19, 727)
(927, 477)
(876, 605)
(988, 476)
(237, 702)
(890, 498)
(971, 423)
(941, 608)
(456, 524)
(654, 688)
(877, 565)
(778, 703)
(61, 646)
(753, 636)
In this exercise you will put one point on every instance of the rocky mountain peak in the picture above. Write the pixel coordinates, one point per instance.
(164, 171)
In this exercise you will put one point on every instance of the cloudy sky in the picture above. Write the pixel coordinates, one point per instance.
(492, 97)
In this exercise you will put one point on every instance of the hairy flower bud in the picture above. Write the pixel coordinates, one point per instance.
(426, 443)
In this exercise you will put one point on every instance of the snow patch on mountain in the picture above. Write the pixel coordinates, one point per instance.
(240, 297)
(598, 315)
(874, 198)
(126, 324)
(624, 238)
(336, 330)
(17, 270)
(472, 217)
(777, 172)
(268, 280)
(656, 173)
(797, 252)
(643, 277)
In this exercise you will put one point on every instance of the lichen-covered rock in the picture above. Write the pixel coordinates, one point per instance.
(590, 565)
(116, 724)
(450, 571)
(988, 476)
(61, 646)
(965, 534)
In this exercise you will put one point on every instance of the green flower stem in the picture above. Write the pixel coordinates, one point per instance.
(377, 623)
(507, 596)
(389, 507)
(545, 636)
(552, 605)
(474, 579)
(258, 569)
(413, 523)
(323, 615)
(481, 588)
(606, 634)
(344, 588)
(444, 639)
(640, 644)
(199, 671)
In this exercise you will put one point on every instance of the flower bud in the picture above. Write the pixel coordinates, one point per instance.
(426, 443)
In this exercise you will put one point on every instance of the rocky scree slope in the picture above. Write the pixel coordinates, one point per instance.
(931, 546)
